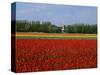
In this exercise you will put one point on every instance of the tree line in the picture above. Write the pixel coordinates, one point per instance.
(48, 27)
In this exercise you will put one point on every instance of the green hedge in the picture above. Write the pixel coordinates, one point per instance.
(48, 27)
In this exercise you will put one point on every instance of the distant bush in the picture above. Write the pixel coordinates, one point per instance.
(48, 27)
(81, 28)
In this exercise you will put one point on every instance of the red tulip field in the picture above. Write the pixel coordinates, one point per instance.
(40, 54)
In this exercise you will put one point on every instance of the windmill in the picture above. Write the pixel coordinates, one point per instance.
(62, 29)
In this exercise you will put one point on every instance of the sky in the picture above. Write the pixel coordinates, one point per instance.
(56, 14)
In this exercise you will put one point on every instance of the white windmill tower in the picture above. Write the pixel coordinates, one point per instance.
(62, 29)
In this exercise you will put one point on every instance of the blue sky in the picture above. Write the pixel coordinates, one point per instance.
(57, 14)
